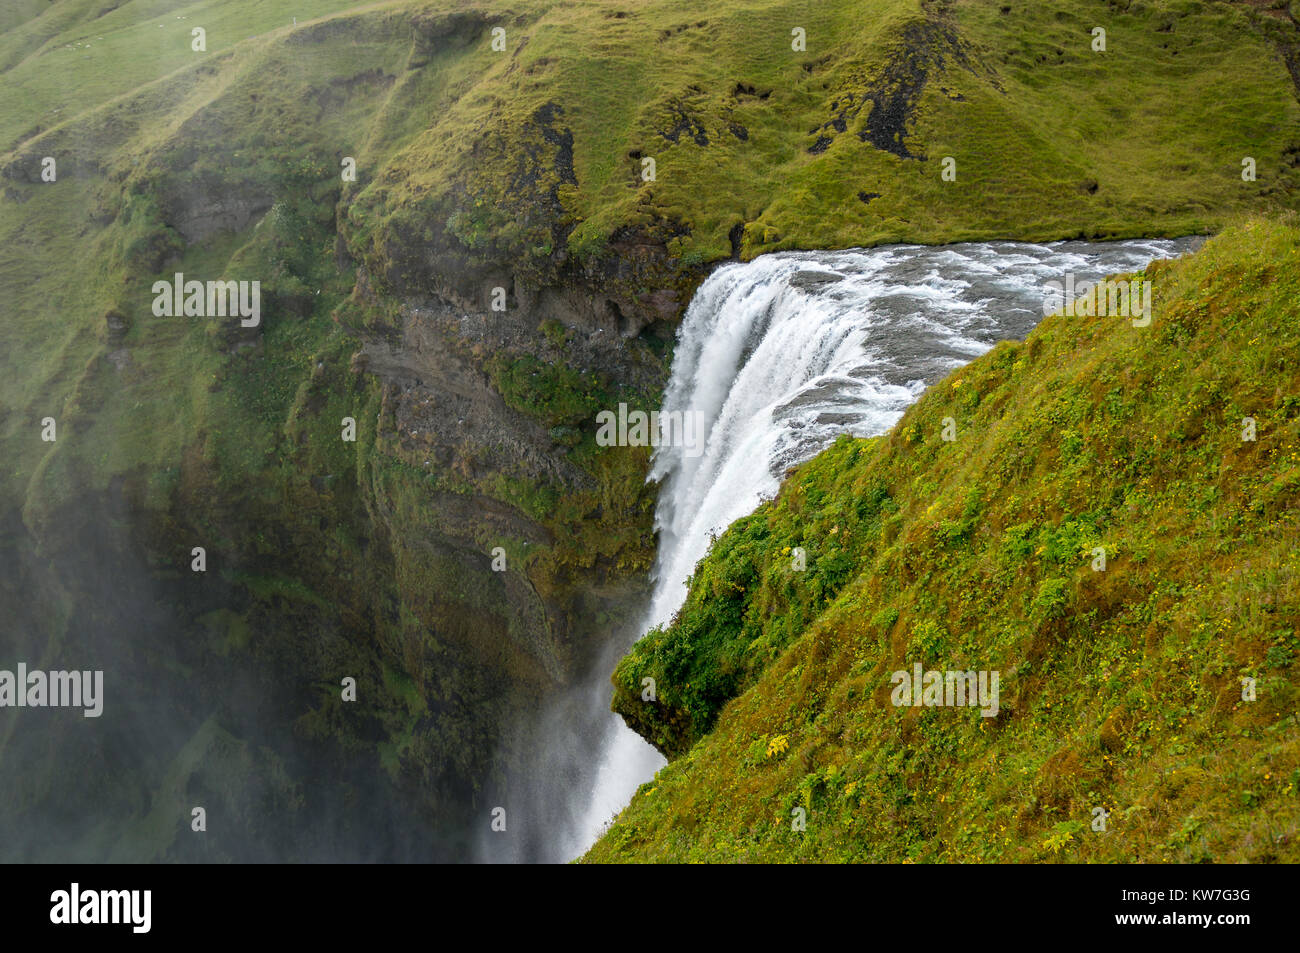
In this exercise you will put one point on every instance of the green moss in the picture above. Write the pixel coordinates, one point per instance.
(554, 393)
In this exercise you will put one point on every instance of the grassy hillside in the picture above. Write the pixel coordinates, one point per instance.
(758, 147)
(1120, 688)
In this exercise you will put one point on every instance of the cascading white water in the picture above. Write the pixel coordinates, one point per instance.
(780, 355)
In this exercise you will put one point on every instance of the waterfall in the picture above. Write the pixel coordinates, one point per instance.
(784, 353)
(780, 355)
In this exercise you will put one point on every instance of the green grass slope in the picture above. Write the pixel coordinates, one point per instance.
(1120, 689)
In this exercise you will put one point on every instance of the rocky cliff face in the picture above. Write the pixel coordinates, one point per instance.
(462, 558)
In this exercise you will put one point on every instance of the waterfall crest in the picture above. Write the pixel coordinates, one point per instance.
(780, 355)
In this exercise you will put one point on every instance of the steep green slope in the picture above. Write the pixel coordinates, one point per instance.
(64, 59)
(1120, 687)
